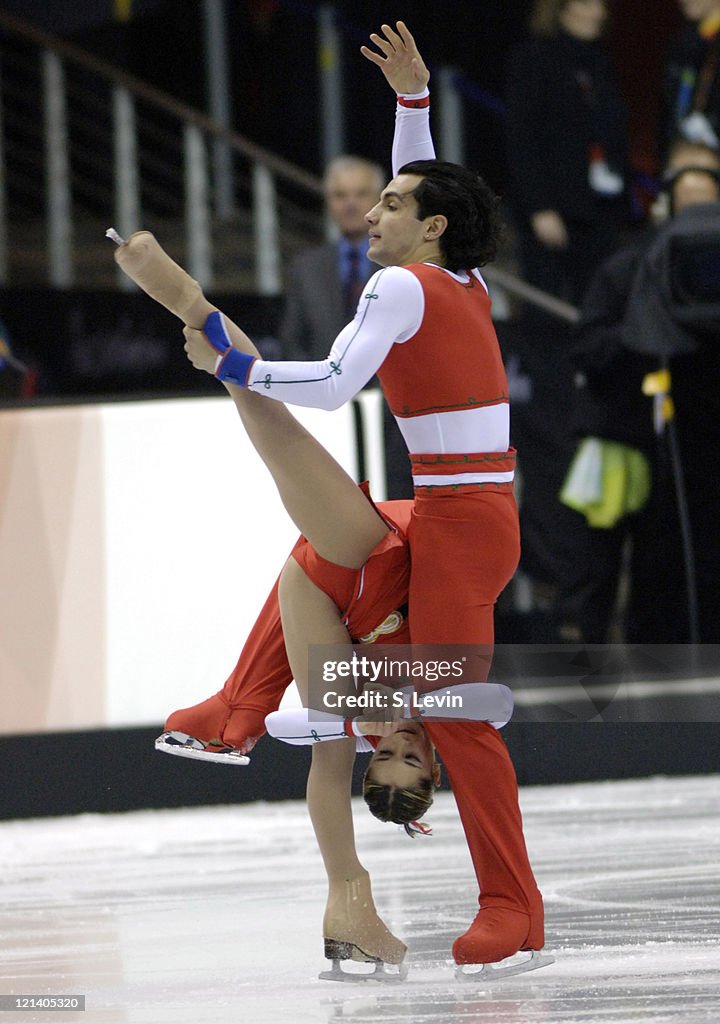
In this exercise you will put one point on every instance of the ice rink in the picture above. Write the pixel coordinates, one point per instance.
(213, 914)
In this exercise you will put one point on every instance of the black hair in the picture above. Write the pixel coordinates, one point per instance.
(474, 226)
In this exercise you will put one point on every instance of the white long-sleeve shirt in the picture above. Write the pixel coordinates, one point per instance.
(391, 312)
(393, 315)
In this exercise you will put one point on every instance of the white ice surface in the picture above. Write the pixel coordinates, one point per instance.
(214, 914)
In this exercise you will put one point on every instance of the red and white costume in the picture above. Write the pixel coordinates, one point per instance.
(428, 334)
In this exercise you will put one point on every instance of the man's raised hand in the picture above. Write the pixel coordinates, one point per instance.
(399, 59)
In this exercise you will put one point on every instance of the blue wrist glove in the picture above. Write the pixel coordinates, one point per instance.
(233, 366)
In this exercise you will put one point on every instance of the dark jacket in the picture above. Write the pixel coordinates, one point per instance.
(313, 313)
(608, 401)
(637, 314)
(562, 98)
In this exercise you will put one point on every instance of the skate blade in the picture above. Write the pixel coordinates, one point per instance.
(181, 745)
(379, 973)
(488, 971)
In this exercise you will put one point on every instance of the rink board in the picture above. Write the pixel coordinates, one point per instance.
(138, 541)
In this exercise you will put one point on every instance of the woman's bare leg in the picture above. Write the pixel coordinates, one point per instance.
(329, 509)
(332, 513)
(324, 502)
(310, 617)
(313, 487)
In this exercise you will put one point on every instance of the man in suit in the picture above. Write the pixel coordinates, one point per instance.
(325, 283)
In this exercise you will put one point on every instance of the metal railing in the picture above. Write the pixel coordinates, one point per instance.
(83, 142)
(82, 139)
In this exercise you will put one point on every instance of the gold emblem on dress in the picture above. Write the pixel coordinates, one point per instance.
(389, 625)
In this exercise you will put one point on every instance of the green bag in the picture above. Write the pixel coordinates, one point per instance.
(606, 481)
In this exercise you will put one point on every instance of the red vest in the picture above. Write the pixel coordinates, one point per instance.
(453, 361)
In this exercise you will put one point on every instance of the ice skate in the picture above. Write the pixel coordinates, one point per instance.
(525, 960)
(353, 932)
(212, 731)
(498, 944)
(215, 751)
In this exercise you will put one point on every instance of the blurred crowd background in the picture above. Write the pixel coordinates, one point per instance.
(597, 123)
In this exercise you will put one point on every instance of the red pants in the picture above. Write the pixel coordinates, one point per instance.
(464, 550)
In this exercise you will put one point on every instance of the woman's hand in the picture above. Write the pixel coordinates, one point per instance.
(375, 728)
(388, 701)
(399, 59)
(199, 350)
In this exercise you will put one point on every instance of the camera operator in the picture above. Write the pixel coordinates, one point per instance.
(653, 303)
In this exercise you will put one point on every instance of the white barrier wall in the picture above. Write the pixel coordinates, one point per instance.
(138, 541)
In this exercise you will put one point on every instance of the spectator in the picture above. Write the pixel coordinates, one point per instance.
(610, 405)
(567, 146)
(325, 283)
(692, 77)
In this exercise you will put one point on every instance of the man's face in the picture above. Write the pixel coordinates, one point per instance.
(694, 186)
(349, 194)
(395, 232)
(584, 19)
(698, 10)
